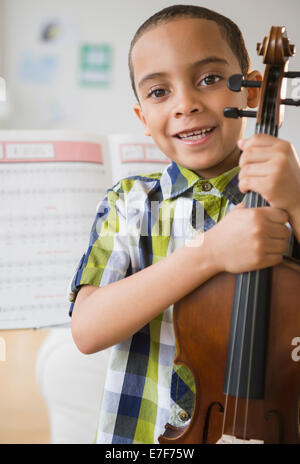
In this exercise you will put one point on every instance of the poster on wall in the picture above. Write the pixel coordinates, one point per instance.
(45, 72)
(95, 65)
(36, 67)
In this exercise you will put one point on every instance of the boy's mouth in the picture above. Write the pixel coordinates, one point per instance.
(194, 135)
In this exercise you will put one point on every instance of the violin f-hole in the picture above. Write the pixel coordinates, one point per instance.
(207, 419)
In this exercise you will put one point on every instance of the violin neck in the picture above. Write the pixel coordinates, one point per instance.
(246, 356)
(254, 200)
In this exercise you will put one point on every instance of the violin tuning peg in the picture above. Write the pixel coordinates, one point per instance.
(290, 102)
(291, 74)
(258, 47)
(236, 82)
(293, 49)
(288, 49)
(237, 113)
(261, 46)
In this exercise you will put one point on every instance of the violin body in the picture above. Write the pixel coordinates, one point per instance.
(276, 417)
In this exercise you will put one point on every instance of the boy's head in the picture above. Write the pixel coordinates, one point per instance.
(229, 31)
(180, 61)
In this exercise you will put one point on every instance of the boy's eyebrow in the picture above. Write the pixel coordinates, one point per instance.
(209, 59)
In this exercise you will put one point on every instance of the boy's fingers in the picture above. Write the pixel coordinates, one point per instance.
(277, 215)
(255, 156)
(257, 140)
(278, 231)
(274, 259)
(240, 205)
(277, 246)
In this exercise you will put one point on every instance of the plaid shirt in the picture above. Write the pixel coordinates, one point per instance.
(142, 220)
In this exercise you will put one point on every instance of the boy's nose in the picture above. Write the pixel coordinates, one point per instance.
(186, 106)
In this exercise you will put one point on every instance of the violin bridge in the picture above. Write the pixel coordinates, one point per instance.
(231, 440)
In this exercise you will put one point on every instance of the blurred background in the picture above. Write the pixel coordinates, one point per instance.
(50, 393)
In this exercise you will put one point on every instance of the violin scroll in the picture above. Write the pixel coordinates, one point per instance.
(276, 51)
(276, 48)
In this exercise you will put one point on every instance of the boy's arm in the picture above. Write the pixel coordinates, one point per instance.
(105, 316)
(243, 240)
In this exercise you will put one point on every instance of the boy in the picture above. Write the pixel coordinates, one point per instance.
(180, 60)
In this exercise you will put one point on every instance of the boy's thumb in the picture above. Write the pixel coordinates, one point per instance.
(240, 205)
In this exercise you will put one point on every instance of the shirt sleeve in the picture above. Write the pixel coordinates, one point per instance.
(107, 257)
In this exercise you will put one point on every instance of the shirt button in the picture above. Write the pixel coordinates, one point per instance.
(183, 416)
(206, 186)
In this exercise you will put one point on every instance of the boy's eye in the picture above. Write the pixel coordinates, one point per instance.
(210, 80)
(157, 93)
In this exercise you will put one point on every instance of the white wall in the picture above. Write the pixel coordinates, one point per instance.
(2, 18)
(96, 21)
(2, 49)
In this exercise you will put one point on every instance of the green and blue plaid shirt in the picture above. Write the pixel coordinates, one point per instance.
(142, 220)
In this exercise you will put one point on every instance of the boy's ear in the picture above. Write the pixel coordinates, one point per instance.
(253, 92)
(138, 111)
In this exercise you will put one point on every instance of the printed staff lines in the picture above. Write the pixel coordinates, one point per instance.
(10, 265)
(52, 191)
(41, 236)
(49, 217)
(36, 278)
(66, 171)
(32, 307)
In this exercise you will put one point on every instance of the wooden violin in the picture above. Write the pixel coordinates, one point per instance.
(243, 348)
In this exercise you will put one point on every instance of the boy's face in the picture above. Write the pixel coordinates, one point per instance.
(181, 70)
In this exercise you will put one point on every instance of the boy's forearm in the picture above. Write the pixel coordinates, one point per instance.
(116, 311)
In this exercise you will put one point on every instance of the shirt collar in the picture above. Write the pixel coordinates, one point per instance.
(176, 180)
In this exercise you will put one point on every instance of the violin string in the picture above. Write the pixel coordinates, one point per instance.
(267, 128)
(253, 203)
(243, 276)
(246, 277)
(231, 357)
(251, 353)
(255, 300)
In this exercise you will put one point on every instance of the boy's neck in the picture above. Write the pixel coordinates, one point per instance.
(225, 166)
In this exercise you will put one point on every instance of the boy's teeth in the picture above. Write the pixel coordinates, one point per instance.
(194, 135)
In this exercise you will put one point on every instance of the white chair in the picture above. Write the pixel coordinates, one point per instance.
(72, 385)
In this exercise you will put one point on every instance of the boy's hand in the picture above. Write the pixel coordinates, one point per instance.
(270, 167)
(248, 239)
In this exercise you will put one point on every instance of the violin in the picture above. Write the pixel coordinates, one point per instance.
(240, 334)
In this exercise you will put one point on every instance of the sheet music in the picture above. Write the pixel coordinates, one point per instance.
(50, 185)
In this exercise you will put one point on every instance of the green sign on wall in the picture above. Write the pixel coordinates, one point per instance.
(95, 65)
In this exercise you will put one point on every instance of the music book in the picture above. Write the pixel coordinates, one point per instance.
(51, 183)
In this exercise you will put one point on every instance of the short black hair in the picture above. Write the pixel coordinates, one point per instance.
(229, 30)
